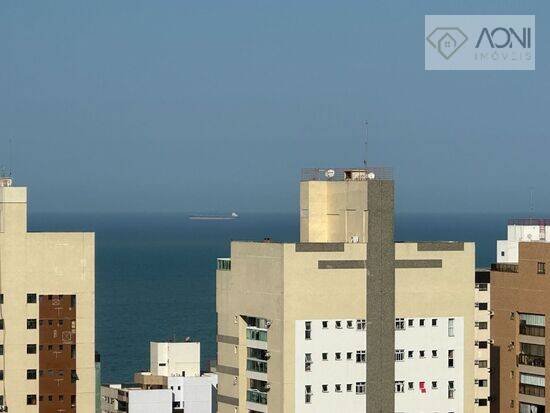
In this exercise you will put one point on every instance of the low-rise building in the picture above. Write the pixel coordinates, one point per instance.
(131, 398)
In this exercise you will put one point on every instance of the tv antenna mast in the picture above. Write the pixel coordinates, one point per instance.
(532, 202)
(366, 139)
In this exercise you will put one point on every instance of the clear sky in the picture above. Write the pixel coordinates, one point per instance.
(215, 106)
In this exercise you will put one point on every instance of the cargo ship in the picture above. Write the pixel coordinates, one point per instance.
(212, 217)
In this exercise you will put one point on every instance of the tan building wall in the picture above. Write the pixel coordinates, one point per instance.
(517, 289)
(42, 264)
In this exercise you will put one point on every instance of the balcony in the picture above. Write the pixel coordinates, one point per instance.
(505, 267)
(529, 330)
(530, 390)
(224, 264)
(259, 366)
(256, 396)
(256, 334)
(530, 360)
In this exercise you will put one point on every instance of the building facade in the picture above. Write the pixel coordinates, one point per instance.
(122, 398)
(520, 304)
(293, 317)
(47, 333)
(521, 230)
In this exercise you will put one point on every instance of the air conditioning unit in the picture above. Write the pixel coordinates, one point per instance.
(491, 313)
(3, 408)
(267, 354)
(268, 323)
(267, 386)
(355, 239)
(490, 341)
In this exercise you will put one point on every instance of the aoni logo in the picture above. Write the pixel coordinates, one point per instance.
(480, 42)
(447, 40)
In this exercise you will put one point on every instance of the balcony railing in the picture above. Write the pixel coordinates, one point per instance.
(256, 334)
(256, 396)
(505, 267)
(530, 390)
(347, 174)
(536, 331)
(529, 360)
(256, 365)
(224, 264)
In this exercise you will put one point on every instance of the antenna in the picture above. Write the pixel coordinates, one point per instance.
(532, 202)
(366, 139)
(11, 159)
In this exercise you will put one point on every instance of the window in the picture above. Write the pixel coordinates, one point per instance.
(434, 353)
(361, 324)
(360, 387)
(308, 393)
(421, 354)
(1, 298)
(410, 385)
(308, 362)
(31, 298)
(482, 364)
(434, 322)
(532, 324)
(541, 268)
(410, 354)
(451, 389)
(482, 402)
(434, 385)
(481, 286)
(482, 306)
(348, 387)
(450, 358)
(482, 344)
(338, 356)
(349, 324)
(482, 325)
(1, 374)
(482, 383)
(1, 324)
(360, 356)
(325, 388)
(399, 355)
(400, 324)
(1, 349)
(502, 253)
(532, 385)
(31, 374)
(399, 387)
(349, 355)
(325, 356)
(31, 325)
(325, 324)
(308, 330)
(338, 324)
(421, 322)
(410, 322)
(31, 399)
(338, 388)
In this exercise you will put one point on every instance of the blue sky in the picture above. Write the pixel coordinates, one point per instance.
(145, 106)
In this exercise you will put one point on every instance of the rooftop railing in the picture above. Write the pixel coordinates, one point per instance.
(505, 267)
(529, 221)
(347, 174)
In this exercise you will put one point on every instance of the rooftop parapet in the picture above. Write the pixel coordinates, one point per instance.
(347, 174)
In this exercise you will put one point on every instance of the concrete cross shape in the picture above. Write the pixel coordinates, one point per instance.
(447, 40)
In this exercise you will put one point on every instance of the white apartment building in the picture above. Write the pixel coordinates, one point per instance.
(194, 394)
(118, 398)
(175, 358)
(521, 230)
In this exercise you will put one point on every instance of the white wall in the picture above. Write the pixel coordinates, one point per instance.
(148, 401)
(430, 368)
(195, 394)
(507, 250)
(331, 372)
(170, 359)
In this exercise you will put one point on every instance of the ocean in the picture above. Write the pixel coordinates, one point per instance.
(155, 273)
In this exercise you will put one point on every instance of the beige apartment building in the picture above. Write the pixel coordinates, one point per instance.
(302, 327)
(298, 323)
(47, 335)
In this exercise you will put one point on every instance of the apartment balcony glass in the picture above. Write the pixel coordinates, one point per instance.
(259, 366)
(256, 396)
(532, 325)
(256, 334)
(224, 264)
(532, 385)
(531, 355)
(530, 390)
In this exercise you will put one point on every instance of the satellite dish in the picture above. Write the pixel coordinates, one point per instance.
(371, 175)
(329, 173)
